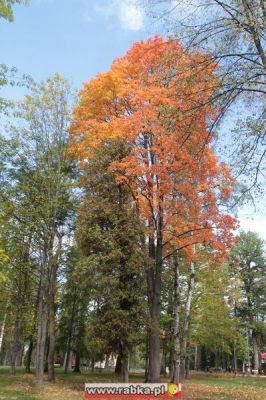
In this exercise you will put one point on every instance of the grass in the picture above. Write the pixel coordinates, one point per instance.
(224, 387)
(199, 386)
(8, 385)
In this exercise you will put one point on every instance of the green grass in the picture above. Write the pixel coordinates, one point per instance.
(202, 386)
(6, 379)
(228, 381)
(199, 386)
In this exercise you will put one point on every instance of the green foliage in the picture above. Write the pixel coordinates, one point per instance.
(213, 326)
(6, 8)
(36, 203)
(109, 234)
(73, 300)
(248, 268)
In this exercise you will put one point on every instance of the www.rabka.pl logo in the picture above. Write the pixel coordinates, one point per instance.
(132, 391)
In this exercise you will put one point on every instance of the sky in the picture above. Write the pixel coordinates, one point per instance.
(78, 39)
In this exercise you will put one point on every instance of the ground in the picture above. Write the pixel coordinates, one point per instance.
(70, 387)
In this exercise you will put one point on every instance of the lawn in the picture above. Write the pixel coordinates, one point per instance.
(70, 387)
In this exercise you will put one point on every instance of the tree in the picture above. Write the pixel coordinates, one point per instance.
(19, 286)
(109, 234)
(233, 32)
(248, 265)
(39, 176)
(3, 280)
(213, 324)
(174, 178)
(75, 296)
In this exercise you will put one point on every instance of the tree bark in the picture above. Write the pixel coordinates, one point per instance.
(28, 357)
(118, 365)
(255, 349)
(175, 369)
(124, 362)
(191, 286)
(70, 333)
(2, 332)
(51, 323)
(154, 283)
(41, 329)
(106, 362)
(154, 267)
(146, 357)
(92, 365)
(51, 310)
(77, 363)
(16, 345)
(196, 358)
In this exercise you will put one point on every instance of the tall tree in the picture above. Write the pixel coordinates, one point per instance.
(213, 324)
(109, 233)
(248, 265)
(233, 32)
(175, 180)
(39, 179)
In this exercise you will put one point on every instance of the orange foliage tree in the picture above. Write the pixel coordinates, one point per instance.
(156, 99)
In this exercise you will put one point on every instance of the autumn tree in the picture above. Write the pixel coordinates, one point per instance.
(233, 32)
(147, 99)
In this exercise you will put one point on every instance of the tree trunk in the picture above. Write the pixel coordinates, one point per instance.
(124, 362)
(196, 358)
(77, 363)
(146, 357)
(41, 330)
(20, 354)
(92, 365)
(235, 357)
(154, 341)
(51, 323)
(175, 370)
(187, 368)
(118, 365)
(191, 286)
(68, 352)
(171, 361)
(46, 352)
(106, 362)
(255, 349)
(51, 310)
(28, 357)
(2, 332)
(70, 333)
(154, 269)
(16, 345)
(154, 283)
(164, 362)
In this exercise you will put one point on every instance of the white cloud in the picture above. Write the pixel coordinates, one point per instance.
(256, 224)
(131, 16)
(129, 13)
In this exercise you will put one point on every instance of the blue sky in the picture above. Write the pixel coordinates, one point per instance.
(79, 38)
(76, 38)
